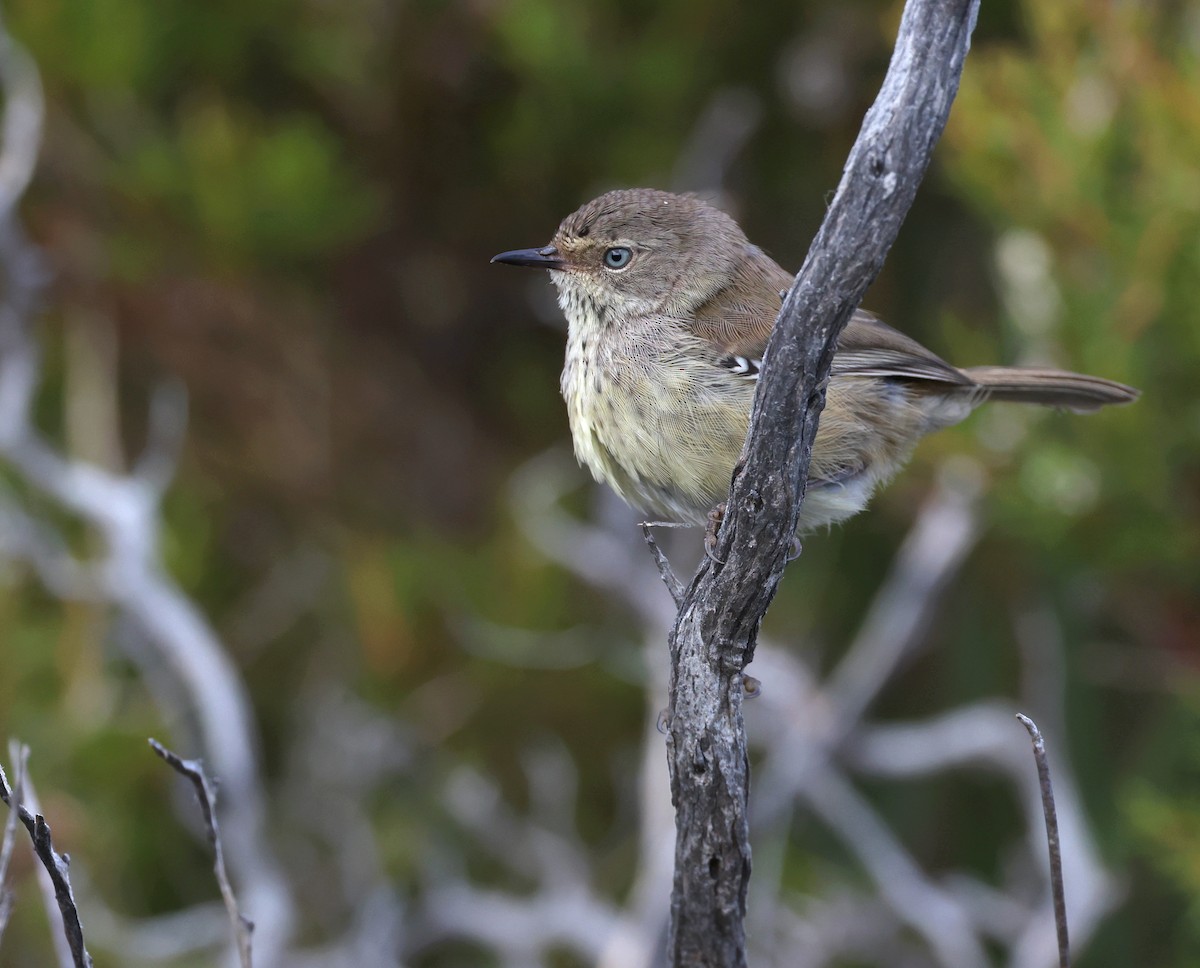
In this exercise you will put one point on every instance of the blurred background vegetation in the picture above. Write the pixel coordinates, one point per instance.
(290, 206)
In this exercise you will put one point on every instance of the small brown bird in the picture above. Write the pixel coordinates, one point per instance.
(669, 307)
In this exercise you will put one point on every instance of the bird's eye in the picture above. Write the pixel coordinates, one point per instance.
(617, 257)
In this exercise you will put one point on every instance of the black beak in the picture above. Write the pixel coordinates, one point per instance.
(544, 258)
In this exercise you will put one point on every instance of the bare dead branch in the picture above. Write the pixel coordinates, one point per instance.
(1052, 842)
(57, 866)
(206, 793)
(674, 585)
(718, 621)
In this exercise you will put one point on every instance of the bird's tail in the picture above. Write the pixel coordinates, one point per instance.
(1050, 388)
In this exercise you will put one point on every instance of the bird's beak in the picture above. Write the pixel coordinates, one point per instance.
(546, 257)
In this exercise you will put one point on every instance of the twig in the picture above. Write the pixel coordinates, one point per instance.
(193, 770)
(21, 757)
(717, 625)
(64, 956)
(1056, 876)
(57, 866)
(674, 585)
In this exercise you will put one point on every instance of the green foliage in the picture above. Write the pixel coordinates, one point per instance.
(1086, 138)
(183, 140)
(1164, 823)
(1169, 830)
(248, 189)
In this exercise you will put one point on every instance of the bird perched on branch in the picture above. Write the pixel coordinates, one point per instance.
(669, 307)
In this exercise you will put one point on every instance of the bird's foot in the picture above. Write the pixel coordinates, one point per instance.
(711, 527)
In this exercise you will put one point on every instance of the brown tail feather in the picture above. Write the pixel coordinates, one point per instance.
(1051, 388)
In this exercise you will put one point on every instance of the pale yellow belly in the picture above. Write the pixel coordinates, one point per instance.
(667, 439)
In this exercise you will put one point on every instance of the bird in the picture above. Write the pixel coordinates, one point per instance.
(669, 307)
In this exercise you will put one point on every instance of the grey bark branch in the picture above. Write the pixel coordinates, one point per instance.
(1053, 847)
(206, 796)
(718, 620)
(674, 585)
(57, 866)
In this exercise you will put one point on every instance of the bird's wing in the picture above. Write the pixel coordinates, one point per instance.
(870, 347)
(738, 319)
(738, 322)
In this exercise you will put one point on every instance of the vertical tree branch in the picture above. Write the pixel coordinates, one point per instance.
(718, 620)
(1050, 814)
(206, 795)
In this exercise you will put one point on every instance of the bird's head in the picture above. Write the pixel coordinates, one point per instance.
(633, 252)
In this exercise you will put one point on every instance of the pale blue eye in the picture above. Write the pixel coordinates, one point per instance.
(618, 257)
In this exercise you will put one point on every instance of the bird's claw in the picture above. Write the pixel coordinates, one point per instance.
(711, 527)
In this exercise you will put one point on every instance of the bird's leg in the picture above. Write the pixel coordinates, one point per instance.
(711, 527)
(796, 548)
